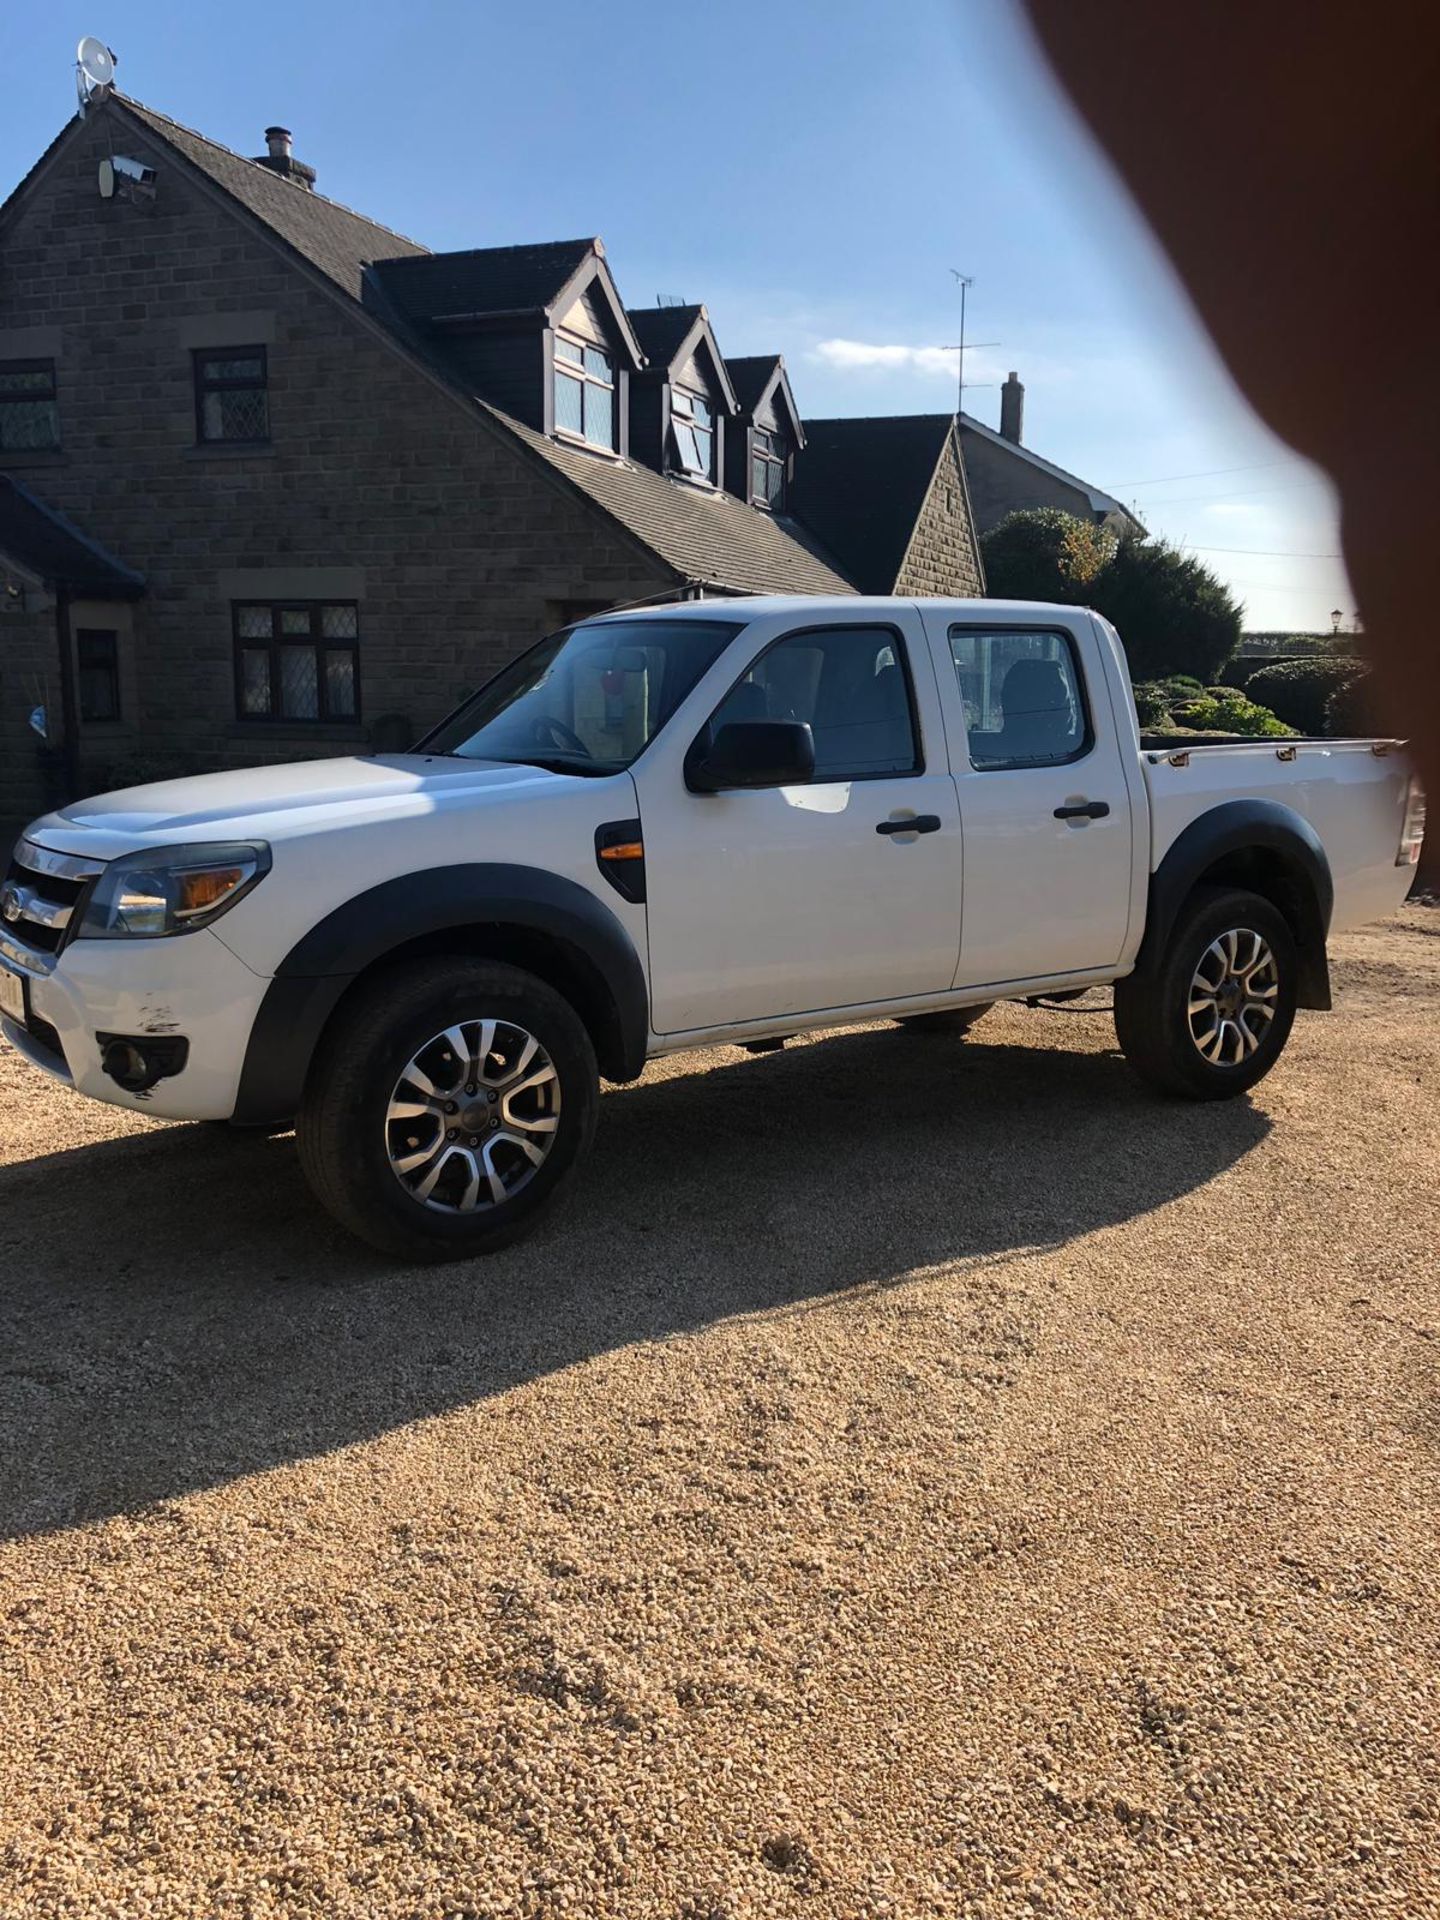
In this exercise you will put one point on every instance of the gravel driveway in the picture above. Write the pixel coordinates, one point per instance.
(916, 1477)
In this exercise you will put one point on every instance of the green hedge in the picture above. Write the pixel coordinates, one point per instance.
(1299, 691)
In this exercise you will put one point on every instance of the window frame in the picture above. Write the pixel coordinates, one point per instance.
(770, 459)
(112, 667)
(707, 475)
(36, 364)
(203, 386)
(316, 641)
(578, 371)
(1067, 639)
(898, 641)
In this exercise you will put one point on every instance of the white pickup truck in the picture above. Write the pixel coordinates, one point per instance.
(721, 821)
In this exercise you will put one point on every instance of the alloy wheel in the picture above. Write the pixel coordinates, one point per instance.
(473, 1116)
(1233, 997)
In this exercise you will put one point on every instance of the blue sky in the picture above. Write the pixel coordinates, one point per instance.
(812, 172)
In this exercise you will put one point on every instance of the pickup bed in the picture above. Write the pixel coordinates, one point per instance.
(723, 820)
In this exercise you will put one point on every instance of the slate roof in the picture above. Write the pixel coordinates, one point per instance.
(331, 237)
(861, 485)
(483, 279)
(51, 547)
(701, 533)
(661, 331)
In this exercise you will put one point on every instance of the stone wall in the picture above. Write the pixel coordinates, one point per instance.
(943, 558)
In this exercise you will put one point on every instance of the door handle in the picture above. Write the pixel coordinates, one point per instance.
(917, 823)
(1086, 810)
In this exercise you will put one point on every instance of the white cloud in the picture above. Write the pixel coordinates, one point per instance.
(851, 356)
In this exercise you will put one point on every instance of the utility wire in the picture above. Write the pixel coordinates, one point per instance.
(1202, 473)
(1263, 553)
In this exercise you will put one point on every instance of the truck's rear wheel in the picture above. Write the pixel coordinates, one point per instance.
(956, 1020)
(449, 1106)
(1213, 1017)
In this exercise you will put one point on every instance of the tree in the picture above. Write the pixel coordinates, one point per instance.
(1173, 614)
(1043, 554)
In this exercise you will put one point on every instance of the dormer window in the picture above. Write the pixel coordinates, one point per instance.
(584, 392)
(768, 454)
(692, 426)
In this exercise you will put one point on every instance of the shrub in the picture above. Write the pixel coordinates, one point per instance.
(1300, 690)
(1043, 554)
(1223, 710)
(1350, 708)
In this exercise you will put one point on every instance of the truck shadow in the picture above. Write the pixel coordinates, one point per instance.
(178, 1313)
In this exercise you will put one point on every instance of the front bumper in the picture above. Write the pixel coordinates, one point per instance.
(192, 985)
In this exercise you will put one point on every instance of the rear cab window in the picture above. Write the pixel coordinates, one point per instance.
(1023, 694)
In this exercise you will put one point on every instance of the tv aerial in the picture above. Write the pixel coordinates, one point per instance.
(94, 70)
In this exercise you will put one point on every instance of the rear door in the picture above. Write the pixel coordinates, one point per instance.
(786, 900)
(1044, 803)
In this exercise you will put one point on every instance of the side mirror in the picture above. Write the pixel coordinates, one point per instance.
(752, 753)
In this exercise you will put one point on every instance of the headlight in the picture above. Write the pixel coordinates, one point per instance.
(171, 890)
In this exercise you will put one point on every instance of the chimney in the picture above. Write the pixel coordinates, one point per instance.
(280, 158)
(1012, 409)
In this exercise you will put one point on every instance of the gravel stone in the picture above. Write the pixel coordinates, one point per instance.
(916, 1478)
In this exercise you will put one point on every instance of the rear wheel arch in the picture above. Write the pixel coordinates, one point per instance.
(540, 922)
(1264, 848)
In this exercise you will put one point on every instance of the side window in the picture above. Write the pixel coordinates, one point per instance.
(1024, 699)
(851, 685)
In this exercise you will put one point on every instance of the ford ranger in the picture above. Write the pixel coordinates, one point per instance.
(728, 820)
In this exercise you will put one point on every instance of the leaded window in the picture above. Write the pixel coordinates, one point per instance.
(768, 456)
(232, 401)
(297, 660)
(584, 392)
(692, 422)
(29, 411)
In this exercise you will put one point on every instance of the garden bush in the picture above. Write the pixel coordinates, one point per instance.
(1299, 691)
(1350, 709)
(1182, 705)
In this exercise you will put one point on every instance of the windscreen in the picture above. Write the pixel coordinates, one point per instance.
(587, 700)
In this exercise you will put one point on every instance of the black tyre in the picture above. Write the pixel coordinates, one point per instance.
(449, 1107)
(956, 1020)
(1213, 1017)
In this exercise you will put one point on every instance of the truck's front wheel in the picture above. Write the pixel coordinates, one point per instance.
(450, 1104)
(1213, 1016)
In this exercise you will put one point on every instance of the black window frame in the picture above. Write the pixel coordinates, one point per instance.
(579, 371)
(769, 458)
(206, 384)
(902, 659)
(110, 667)
(1082, 689)
(318, 643)
(42, 365)
(707, 475)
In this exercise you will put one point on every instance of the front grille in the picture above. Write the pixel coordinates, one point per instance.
(39, 894)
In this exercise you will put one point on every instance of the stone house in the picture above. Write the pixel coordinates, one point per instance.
(279, 482)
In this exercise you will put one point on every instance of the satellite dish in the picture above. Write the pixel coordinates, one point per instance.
(95, 61)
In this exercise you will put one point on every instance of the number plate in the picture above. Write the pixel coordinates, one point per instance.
(12, 996)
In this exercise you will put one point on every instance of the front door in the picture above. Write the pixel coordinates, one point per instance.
(1044, 804)
(796, 899)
